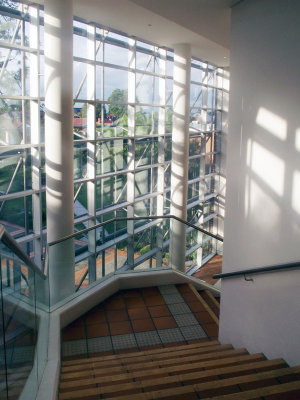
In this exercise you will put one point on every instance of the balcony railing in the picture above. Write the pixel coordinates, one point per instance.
(116, 246)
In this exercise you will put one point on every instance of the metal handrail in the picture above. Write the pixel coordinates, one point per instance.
(260, 270)
(13, 245)
(135, 219)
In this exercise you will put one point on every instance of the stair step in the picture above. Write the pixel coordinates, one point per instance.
(231, 385)
(185, 378)
(288, 391)
(166, 350)
(212, 364)
(144, 359)
(197, 358)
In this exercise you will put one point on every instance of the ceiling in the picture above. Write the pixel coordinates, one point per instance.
(205, 24)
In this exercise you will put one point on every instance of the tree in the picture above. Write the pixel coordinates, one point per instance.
(118, 96)
(83, 111)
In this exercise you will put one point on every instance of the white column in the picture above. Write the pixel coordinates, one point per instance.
(91, 149)
(59, 144)
(131, 150)
(161, 151)
(35, 133)
(180, 152)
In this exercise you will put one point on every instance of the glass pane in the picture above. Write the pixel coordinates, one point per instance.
(115, 85)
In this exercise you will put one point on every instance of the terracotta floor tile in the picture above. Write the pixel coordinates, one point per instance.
(159, 311)
(71, 333)
(150, 291)
(154, 301)
(135, 302)
(77, 322)
(117, 315)
(95, 317)
(211, 329)
(196, 306)
(97, 330)
(189, 296)
(115, 303)
(183, 288)
(164, 322)
(203, 317)
(142, 325)
(120, 328)
(138, 313)
(131, 293)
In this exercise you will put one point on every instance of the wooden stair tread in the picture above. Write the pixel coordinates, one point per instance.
(167, 350)
(182, 360)
(146, 358)
(265, 391)
(200, 388)
(244, 358)
(185, 378)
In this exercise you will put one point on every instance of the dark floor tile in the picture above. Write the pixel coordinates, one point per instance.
(188, 297)
(97, 330)
(183, 288)
(95, 317)
(117, 315)
(142, 325)
(131, 293)
(120, 328)
(203, 317)
(135, 302)
(159, 311)
(164, 322)
(196, 306)
(138, 313)
(71, 333)
(212, 330)
(150, 291)
(115, 303)
(154, 301)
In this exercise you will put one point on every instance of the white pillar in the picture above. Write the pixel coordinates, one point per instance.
(180, 152)
(59, 144)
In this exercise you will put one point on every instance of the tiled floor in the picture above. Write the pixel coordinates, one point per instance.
(212, 267)
(139, 318)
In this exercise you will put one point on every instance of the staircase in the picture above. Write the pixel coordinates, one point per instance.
(201, 369)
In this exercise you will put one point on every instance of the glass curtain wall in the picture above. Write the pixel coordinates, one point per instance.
(122, 133)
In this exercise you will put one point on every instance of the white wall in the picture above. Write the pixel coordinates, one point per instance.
(262, 223)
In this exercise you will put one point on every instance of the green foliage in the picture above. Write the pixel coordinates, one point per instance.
(145, 249)
(83, 111)
(118, 96)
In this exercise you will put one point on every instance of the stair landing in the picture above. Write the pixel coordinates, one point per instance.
(138, 319)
